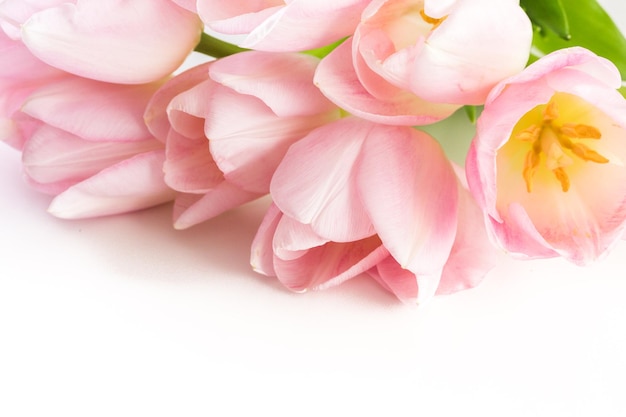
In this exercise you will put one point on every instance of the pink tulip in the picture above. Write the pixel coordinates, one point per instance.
(414, 62)
(228, 123)
(354, 197)
(547, 164)
(91, 148)
(112, 41)
(276, 25)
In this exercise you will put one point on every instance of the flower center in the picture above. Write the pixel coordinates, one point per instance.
(559, 144)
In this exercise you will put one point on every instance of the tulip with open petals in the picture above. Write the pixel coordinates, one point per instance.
(354, 197)
(414, 62)
(547, 164)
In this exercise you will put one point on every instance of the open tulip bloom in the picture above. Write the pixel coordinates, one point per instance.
(319, 104)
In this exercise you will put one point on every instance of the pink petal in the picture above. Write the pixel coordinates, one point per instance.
(398, 281)
(315, 182)
(236, 17)
(473, 254)
(303, 25)
(248, 140)
(191, 209)
(155, 116)
(189, 166)
(93, 110)
(318, 265)
(282, 81)
(337, 79)
(409, 191)
(262, 250)
(187, 4)
(13, 13)
(130, 185)
(55, 159)
(109, 41)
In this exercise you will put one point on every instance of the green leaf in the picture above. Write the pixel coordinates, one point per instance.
(548, 15)
(472, 113)
(324, 50)
(216, 48)
(590, 27)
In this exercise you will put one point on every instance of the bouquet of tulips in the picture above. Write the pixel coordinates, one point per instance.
(320, 104)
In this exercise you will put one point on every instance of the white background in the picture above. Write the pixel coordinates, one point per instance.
(123, 316)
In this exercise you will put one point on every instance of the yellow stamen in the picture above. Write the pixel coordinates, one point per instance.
(580, 131)
(563, 178)
(557, 147)
(431, 20)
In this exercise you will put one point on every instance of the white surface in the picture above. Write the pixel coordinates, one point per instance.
(124, 316)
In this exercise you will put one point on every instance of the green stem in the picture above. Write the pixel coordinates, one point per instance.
(216, 48)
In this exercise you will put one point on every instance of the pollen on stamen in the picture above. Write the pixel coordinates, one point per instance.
(563, 178)
(530, 166)
(580, 131)
(431, 20)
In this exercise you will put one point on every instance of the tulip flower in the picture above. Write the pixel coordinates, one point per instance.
(414, 62)
(111, 41)
(354, 197)
(91, 149)
(547, 165)
(227, 124)
(283, 25)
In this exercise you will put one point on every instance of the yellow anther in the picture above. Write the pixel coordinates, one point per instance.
(587, 154)
(529, 134)
(530, 166)
(431, 20)
(580, 131)
(561, 175)
(550, 112)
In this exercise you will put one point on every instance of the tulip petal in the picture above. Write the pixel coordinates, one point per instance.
(110, 41)
(315, 182)
(281, 81)
(189, 166)
(130, 185)
(262, 248)
(248, 149)
(63, 104)
(191, 209)
(234, 17)
(302, 25)
(409, 191)
(473, 254)
(317, 264)
(338, 81)
(398, 281)
(54, 159)
(156, 116)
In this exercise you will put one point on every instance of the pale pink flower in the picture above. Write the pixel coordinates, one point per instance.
(547, 163)
(417, 61)
(228, 123)
(354, 197)
(114, 40)
(90, 147)
(283, 25)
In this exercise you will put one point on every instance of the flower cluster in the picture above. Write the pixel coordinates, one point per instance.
(320, 106)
